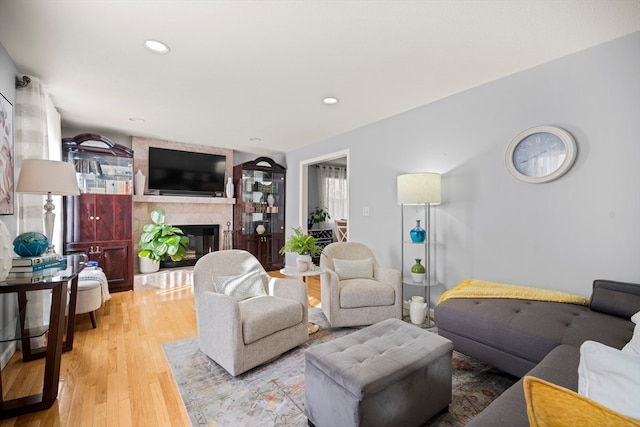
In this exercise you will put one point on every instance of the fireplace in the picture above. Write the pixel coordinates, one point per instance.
(202, 240)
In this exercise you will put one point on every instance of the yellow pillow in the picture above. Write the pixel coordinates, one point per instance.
(549, 405)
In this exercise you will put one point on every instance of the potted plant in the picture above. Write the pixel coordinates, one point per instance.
(320, 215)
(304, 245)
(160, 241)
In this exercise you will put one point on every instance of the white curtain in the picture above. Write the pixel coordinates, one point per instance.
(332, 188)
(37, 136)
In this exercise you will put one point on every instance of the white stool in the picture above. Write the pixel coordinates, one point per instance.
(89, 298)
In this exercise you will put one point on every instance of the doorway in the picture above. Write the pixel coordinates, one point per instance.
(308, 186)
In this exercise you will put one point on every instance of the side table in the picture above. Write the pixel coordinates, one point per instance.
(293, 272)
(56, 332)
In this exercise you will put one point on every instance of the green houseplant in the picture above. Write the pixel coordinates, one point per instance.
(304, 245)
(160, 241)
(319, 215)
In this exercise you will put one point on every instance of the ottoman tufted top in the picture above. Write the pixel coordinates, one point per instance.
(366, 361)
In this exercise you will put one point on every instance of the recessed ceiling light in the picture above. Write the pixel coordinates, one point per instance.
(136, 119)
(255, 139)
(156, 46)
(330, 100)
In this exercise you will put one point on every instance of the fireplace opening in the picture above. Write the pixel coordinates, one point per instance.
(202, 240)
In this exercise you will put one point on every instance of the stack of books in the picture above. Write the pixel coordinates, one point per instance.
(34, 269)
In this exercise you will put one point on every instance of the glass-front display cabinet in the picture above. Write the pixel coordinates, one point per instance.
(99, 222)
(259, 210)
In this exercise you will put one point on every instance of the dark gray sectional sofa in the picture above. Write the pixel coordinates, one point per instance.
(536, 338)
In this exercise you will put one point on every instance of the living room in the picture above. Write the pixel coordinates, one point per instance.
(559, 235)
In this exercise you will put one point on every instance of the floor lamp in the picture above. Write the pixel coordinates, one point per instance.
(50, 177)
(422, 189)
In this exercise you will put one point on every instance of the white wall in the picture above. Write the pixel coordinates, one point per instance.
(558, 235)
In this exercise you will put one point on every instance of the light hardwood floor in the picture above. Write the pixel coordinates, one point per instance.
(116, 374)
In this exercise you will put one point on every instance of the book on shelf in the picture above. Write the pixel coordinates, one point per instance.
(56, 263)
(34, 260)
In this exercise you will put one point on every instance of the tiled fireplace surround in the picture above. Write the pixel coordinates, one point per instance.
(179, 210)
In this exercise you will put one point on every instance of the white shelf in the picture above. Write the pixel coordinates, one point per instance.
(184, 199)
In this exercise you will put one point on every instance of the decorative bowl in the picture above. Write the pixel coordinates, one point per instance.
(30, 244)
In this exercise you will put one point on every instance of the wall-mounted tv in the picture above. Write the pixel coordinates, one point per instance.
(186, 173)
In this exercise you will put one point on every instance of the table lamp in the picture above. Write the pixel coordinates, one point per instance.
(50, 177)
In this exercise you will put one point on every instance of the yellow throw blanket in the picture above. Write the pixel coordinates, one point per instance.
(482, 289)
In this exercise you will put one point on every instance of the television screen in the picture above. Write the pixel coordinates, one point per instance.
(186, 173)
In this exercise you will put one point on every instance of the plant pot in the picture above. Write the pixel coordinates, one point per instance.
(148, 266)
(303, 263)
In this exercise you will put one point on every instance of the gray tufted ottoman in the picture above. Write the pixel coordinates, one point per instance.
(388, 374)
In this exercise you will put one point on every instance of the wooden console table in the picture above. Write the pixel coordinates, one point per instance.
(56, 343)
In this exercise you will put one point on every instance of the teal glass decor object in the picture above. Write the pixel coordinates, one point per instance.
(418, 234)
(30, 244)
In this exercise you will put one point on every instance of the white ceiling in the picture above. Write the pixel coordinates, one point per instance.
(259, 69)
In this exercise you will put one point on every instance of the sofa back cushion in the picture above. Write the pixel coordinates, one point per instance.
(616, 298)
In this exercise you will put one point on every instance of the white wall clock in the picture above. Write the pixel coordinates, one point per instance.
(541, 154)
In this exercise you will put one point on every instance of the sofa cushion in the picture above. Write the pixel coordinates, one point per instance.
(549, 405)
(616, 298)
(610, 377)
(262, 316)
(356, 293)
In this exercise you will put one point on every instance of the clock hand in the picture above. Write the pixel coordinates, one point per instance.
(533, 157)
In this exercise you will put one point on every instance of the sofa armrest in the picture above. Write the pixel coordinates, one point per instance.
(616, 298)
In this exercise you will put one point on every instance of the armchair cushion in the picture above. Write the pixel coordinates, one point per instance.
(262, 316)
(365, 293)
(353, 268)
(241, 287)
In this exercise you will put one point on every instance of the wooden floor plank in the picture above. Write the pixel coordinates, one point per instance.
(117, 374)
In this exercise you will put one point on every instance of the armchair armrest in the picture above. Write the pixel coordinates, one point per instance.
(391, 277)
(616, 298)
(290, 288)
(219, 316)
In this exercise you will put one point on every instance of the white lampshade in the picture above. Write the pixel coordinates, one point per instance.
(419, 188)
(39, 176)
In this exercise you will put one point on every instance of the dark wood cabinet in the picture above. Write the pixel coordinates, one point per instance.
(259, 211)
(99, 222)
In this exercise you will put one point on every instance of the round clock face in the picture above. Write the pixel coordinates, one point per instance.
(540, 154)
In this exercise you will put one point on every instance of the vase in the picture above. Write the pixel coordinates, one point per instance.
(303, 262)
(418, 312)
(417, 234)
(260, 229)
(418, 271)
(138, 183)
(229, 188)
(270, 200)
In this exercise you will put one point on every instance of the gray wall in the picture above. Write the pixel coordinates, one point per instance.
(559, 235)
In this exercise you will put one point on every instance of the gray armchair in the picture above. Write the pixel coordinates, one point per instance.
(244, 316)
(355, 290)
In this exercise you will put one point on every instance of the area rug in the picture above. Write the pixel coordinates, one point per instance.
(273, 394)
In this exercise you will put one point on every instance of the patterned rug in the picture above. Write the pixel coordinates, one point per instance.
(273, 394)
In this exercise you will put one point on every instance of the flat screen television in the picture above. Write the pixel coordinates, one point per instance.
(186, 173)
